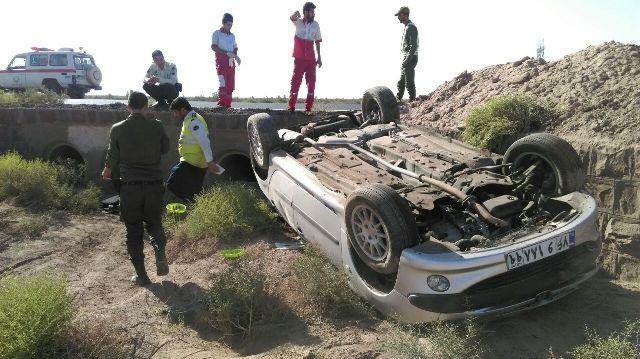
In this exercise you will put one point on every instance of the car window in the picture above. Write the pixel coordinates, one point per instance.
(17, 63)
(38, 60)
(82, 62)
(58, 60)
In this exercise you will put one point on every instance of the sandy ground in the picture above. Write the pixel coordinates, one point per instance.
(90, 250)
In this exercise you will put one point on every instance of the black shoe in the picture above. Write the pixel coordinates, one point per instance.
(141, 280)
(162, 267)
(291, 110)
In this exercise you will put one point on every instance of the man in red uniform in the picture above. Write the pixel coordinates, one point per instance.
(223, 43)
(304, 63)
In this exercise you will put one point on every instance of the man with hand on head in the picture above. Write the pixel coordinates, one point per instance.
(223, 44)
(304, 63)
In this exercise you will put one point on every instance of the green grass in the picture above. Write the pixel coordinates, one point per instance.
(236, 298)
(625, 344)
(439, 340)
(225, 211)
(34, 311)
(41, 185)
(325, 287)
(30, 97)
(495, 124)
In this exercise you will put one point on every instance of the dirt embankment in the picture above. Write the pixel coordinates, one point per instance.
(596, 88)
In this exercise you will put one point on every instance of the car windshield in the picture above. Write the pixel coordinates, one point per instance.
(83, 62)
(18, 62)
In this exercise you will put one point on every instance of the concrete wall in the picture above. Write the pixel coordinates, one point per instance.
(46, 133)
(613, 176)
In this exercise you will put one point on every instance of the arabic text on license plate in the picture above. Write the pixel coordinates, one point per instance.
(538, 251)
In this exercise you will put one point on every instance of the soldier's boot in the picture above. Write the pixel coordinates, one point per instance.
(140, 278)
(162, 266)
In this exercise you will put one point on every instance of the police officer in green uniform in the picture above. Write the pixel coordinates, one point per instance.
(135, 149)
(409, 50)
(186, 178)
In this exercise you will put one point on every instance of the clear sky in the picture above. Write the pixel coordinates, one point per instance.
(361, 39)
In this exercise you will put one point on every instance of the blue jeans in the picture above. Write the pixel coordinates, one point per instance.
(185, 180)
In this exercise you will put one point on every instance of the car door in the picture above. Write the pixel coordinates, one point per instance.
(14, 76)
(315, 217)
(37, 68)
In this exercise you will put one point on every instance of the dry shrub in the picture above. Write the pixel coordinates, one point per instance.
(625, 344)
(325, 287)
(222, 212)
(236, 299)
(495, 124)
(34, 312)
(439, 340)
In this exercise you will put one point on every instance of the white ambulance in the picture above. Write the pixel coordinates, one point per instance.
(63, 71)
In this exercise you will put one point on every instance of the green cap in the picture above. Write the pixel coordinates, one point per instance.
(403, 10)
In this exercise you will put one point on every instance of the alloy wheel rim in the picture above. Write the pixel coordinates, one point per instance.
(370, 233)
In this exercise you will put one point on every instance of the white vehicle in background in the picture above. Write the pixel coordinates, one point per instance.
(63, 71)
(426, 227)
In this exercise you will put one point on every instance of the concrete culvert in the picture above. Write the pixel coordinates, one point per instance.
(64, 153)
(238, 168)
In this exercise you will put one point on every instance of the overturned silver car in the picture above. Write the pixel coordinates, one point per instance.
(426, 227)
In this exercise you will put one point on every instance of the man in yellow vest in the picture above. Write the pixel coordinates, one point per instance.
(185, 179)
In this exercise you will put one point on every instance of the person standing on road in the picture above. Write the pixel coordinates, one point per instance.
(223, 44)
(135, 149)
(186, 178)
(409, 48)
(304, 63)
(161, 81)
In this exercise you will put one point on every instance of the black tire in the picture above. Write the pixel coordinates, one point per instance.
(263, 138)
(52, 85)
(562, 166)
(379, 105)
(75, 94)
(388, 211)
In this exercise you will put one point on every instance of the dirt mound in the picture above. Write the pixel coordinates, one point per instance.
(596, 90)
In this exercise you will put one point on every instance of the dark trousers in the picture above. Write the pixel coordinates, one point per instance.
(141, 204)
(408, 78)
(161, 93)
(185, 180)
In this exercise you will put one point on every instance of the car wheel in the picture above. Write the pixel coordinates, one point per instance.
(263, 138)
(561, 171)
(75, 94)
(379, 105)
(380, 226)
(52, 85)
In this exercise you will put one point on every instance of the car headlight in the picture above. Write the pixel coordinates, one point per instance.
(438, 282)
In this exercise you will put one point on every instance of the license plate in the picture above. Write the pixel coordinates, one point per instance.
(538, 251)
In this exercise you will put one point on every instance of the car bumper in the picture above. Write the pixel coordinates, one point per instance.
(481, 284)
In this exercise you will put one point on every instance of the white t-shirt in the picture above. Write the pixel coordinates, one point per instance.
(226, 42)
(308, 30)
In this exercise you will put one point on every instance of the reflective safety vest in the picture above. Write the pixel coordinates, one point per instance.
(188, 146)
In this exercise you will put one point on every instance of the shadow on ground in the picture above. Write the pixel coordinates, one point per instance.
(600, 304)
